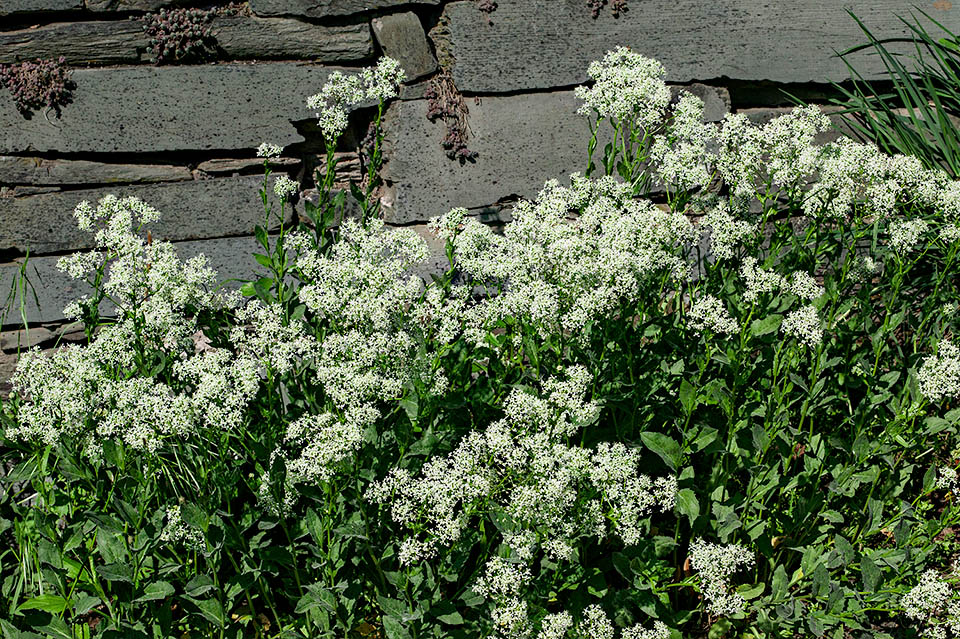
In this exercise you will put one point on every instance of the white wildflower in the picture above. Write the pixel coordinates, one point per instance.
(268, 150)
(759, 280)
(939, 376)
(177, 531)
(904, 234)
(726, 232)
(628, 87)
(716, 564)
(804, 325)
(709, 313)
(805, 286)
(595, 624)
(284, 187)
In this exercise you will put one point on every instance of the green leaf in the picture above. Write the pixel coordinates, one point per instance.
(664, 446)
(687, 504)
(870, 574)
(211, 610)
(156, 590)
(394, 628)
(765, 325)
(48, 603)
(263, 260)
(688, 397)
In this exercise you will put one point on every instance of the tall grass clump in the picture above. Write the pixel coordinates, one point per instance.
(607, 420)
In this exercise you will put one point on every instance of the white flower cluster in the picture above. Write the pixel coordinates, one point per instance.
(759, 280)
(939, 376)
(680, 153)
(176, 531)
(904, 234)
(269, 150)
(805, 286)
(261, 334)
(552, 492)
(741, 148)
(947, 479)
(933, 602)
(560, 274)
(709, 313)
(716, 563)
(340, 92)
(284, 187)
(628, 87)
(804, 325)
(726, 231)
(96, 392)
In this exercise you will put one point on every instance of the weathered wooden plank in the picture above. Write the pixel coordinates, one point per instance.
(31, 170)
(549, 43)
(141, 109)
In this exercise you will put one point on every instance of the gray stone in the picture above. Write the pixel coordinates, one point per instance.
(15, 341)
(113, 42)
(347, 169)
(550, 43)
(196, 209)
(130, 5)
(716, 100)
(229, 166)
(286, 39)
(237, 38)
(522, 141)
(141, 109)
(401, 37)
(323, 8)
(31, 170)
(12, 7)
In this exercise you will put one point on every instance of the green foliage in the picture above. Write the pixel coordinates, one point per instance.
(640, 464)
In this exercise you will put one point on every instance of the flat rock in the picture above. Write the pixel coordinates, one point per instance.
(189, 210)
(521, 142)
(229, 166)
(31, 170)
(322, 8)
(113, 42)
(401, 36)
(538, 44)
(140, 109)
(12, 7)
(129, 5)
(15, 341)
(237, 38)
(285, 39)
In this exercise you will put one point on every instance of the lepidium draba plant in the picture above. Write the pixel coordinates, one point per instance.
(604, 421)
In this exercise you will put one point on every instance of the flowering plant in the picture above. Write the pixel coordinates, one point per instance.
(729, 413)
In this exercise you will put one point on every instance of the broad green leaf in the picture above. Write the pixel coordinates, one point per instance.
(156, 590)
(687, 504)
(664, 446)
(48, 603)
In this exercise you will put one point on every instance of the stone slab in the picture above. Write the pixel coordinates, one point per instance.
(140, 109)
(237, 38)
(13, 7)
(129, 5)
(230, 166)
(522, 141)
(538, 44)
(323, 8)
(32, 170)
(284, 39)
(401, 36)
(196, 209)
(113, 42)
